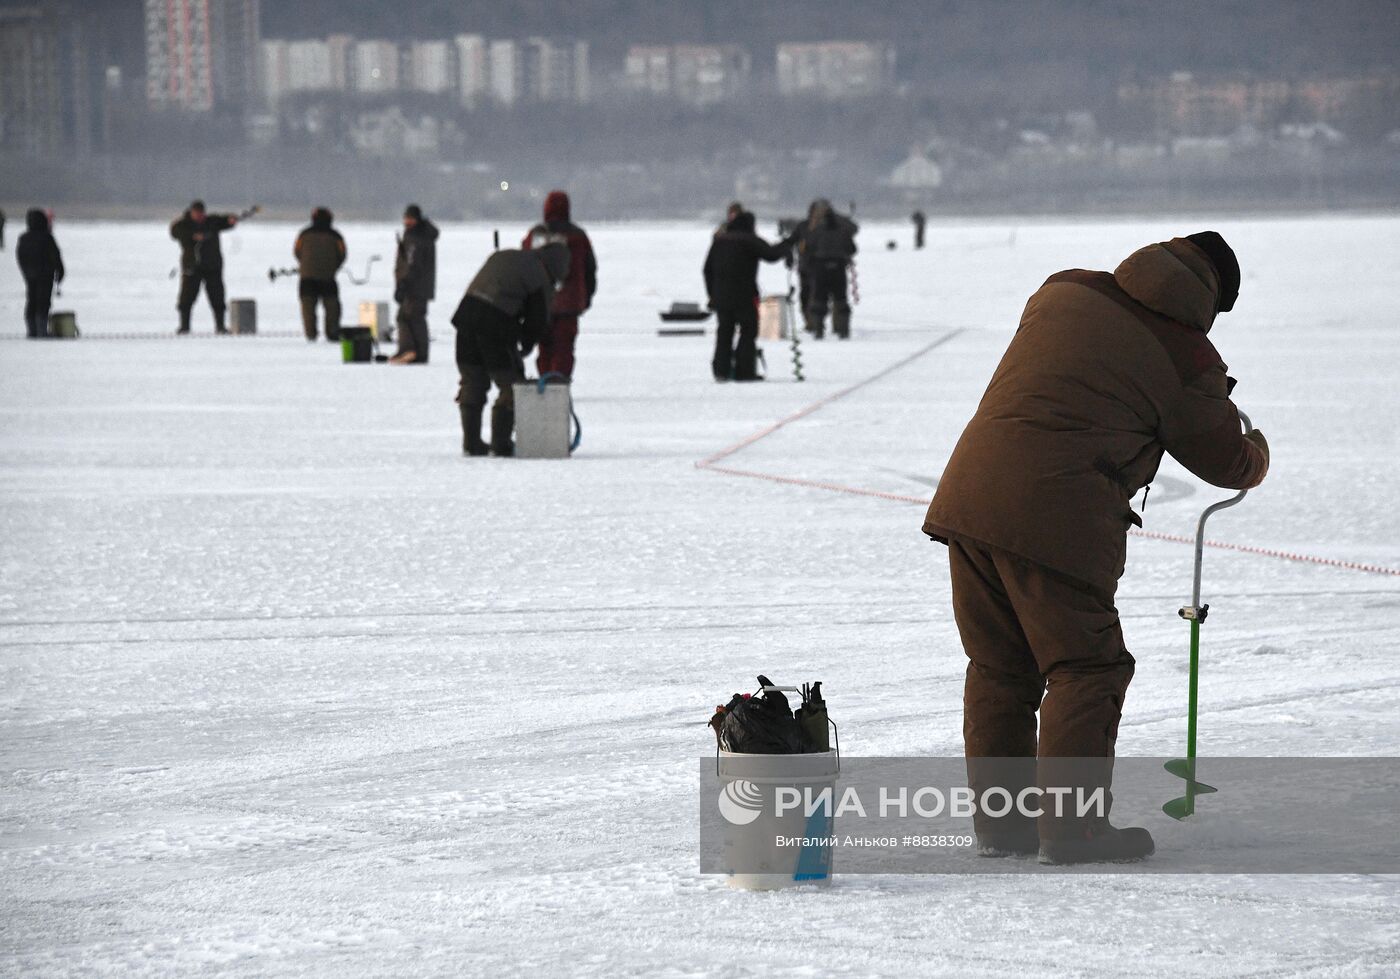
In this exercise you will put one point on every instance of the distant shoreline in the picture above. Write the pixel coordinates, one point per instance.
(94, 213)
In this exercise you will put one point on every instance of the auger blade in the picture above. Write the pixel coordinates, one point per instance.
(1186, 805)
(1181, 768)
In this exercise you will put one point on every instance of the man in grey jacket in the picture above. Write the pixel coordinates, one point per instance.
(503, 315)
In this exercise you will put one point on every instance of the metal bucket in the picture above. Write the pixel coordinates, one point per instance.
(773, 318)
(63, 325)
(542, 414)
(243, 316)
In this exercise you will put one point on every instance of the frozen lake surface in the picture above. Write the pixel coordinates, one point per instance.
(289, 687)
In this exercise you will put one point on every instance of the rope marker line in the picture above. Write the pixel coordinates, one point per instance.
(710, 464)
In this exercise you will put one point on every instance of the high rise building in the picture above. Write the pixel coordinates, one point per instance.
(835, 69)
(700, 74)
(648, 69)
(201, 53)
(473, 72)
(341, 51)
(375, 67)
(51, 92)
(506, 71)
(295, 66)
(274, 70)
(555, 71)
(309, 66)
(431, 67)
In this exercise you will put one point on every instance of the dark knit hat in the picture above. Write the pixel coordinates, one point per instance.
(413, 211)
(196, 205)
(1226, 266)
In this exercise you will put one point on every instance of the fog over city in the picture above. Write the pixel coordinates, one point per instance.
(664, 109)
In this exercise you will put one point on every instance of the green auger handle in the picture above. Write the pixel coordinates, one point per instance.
(1195, 613)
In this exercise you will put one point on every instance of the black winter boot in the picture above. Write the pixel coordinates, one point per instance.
(502, 426)
(841, 323)
(472, 444)
(1100, 843)
(1008, 844)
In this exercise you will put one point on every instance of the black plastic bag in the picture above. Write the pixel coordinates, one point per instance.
(759, 724)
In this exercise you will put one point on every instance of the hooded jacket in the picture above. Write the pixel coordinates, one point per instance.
(826, 238)
(520, 284)
(40, 261)
(202, 254)
(731, 266)
(415, 263)
(1105, 373)
(575, 296)
(319, 249)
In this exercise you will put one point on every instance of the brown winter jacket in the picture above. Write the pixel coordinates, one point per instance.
(319, 250)
(1104, 374)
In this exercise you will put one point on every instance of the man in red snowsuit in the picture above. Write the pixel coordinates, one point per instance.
(575, 295)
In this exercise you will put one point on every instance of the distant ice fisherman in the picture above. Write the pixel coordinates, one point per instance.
(41, 265)
(575, 296)
(415, 284)
(320, 252)
(503, 316)
(201, 261)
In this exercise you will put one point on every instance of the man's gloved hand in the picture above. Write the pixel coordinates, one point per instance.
(398, 294)
(1261, 443)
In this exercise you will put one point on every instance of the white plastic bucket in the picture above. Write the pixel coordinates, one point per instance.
(752, 855)
(375, 315)
(773, 319)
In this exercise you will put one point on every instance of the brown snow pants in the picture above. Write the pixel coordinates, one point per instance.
(1035, 642)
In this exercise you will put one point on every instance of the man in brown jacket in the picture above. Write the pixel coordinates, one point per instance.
(320, 252)
(1106, 372)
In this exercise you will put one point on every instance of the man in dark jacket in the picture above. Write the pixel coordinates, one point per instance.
(575, 296)
(1105, 374)
(415, 285)
(201, 261)
(731, 280)
(504, 314)
(920, 222)
(41, 264)
(320, 252)
(828, 244)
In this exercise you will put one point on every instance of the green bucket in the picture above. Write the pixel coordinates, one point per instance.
(356, 345)
(63, 325)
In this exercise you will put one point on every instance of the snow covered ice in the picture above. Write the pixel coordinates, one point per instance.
(290, 687)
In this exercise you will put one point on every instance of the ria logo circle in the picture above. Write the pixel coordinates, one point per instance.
(740, 802)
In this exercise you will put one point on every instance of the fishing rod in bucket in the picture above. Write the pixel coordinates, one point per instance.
(1195, 613)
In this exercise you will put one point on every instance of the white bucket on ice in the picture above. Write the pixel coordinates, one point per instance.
(375, 315)
(542, 421)
(774, 322)
(753, 858)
